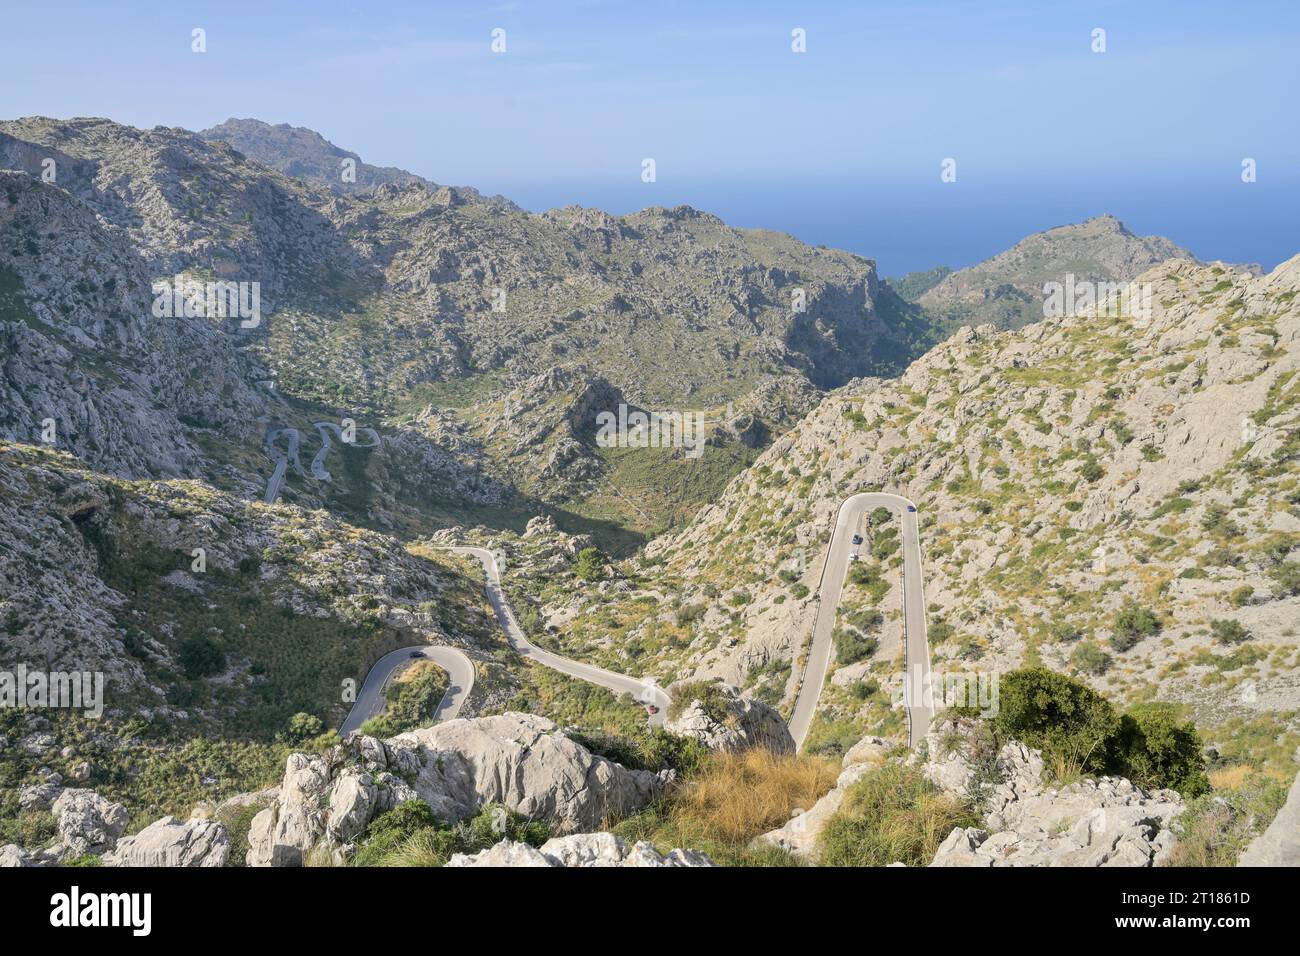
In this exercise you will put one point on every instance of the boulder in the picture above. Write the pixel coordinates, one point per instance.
(520, 761)
(731, 721)
(12, 855)
(171, 842)
(87, 822)
(580, 850)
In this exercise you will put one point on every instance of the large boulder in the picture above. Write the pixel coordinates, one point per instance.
(722, 718)
(580, 850)
(523, 762)
(171, 842)
(87, 822)
(520, 761)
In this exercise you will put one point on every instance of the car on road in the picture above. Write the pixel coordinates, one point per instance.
(651, 709)
(417, 653)
(912, 508)
(853, 555)
(857, 539)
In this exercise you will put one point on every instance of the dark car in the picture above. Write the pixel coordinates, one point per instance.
(417, 653)
(857, 539)
(912, 508)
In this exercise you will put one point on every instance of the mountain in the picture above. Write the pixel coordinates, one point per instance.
(1112, 496)
(305, 154)
(402, 304)
(1007, 290)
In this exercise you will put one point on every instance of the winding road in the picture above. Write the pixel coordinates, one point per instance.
(917, 699)
(370, 699)
(318, 471)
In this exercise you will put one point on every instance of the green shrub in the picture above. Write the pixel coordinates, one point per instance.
(1065, 719)
(1228, 632)
(590, 564)
(1132, 624)
(200, 657)
(851, 647)
(1155, 750)
(1089, 658)
(304, 727)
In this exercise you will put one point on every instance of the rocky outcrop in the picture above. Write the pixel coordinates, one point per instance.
(580, 850)
(87, 823)
(172, 842)
(519, 761)
(12, 855)
(723, 718)
(1279, 845)
(1103, 822)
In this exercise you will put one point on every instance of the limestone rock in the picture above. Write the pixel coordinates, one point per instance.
(171, 842)
(87, 822)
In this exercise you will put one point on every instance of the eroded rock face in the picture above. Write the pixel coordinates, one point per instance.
(1103, 822)
(1279, 845)
(580, 850)
(87, 822)
(744, 723)
(520, 761)
(172, 842)
(12, 855)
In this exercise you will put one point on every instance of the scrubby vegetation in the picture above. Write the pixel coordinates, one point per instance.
(410, 835)
(892, 814)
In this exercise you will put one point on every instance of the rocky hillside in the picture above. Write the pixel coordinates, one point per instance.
(206, 610)
(386, 303)
(1007, 290)
(305, 154)
(1114, 497)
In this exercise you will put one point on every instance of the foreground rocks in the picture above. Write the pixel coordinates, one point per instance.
(1279, 845)
(730, 721)
(580, 850)
(87, 822)
(171, 842)
(1103, 822)
(520, 761)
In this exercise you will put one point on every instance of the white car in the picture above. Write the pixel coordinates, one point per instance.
(853, 555)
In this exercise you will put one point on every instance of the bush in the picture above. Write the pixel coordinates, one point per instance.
(590, 564)
(800, 591)
(1064, 718)
(1241, 596)
(200, 657)
(1089, 658)
(1091, 470)
(1131, 625)
(891, 814)
(304, 727)
(851, 647)
(1228, 632)
(1286, 576)
(709, 694)
(1154, 750)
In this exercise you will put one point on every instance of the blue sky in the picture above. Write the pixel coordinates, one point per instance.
(840, 145)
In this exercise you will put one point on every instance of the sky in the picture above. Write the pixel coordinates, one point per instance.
(841, 145)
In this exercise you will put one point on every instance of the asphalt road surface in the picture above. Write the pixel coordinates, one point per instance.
(370, 699)
(647, 693)
(916, 697)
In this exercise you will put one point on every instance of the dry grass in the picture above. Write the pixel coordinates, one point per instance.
(1230, 778)
(732, 799)
(739, 796)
